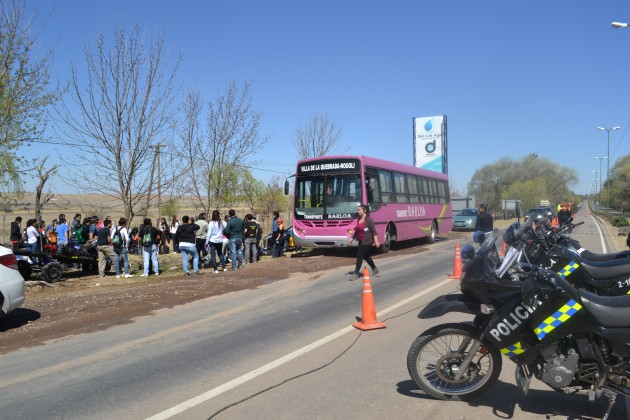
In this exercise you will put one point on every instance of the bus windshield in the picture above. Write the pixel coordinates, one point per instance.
(328, 196)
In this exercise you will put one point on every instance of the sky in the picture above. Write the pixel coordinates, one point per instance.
(512, 77)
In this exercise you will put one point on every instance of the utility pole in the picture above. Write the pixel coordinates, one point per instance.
(159, 167)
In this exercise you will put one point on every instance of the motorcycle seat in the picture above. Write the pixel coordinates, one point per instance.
(619, 267)
(610, 311)
(593, 257)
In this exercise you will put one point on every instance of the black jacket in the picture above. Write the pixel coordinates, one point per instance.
(186, 233)
(16, 235)
(484, 222)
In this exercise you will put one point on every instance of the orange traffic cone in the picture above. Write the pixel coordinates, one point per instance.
(457, 264)
(503, 248)
(368, 316)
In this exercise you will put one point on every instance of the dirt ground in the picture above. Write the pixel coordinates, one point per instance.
(81, 304)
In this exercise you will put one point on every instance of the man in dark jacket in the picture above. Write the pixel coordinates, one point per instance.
(16, 233)
(484, 220)
(185, 236)
(234, 232)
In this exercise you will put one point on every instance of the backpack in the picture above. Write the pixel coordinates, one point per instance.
(251, 229)
(147, 238)
(117, 239)
(80, 234)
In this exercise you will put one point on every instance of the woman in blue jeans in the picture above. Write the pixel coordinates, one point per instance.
(185, 236)
(214, 240)
(32, 238)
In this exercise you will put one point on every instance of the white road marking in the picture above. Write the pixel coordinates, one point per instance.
(279, 362)
(601, 235)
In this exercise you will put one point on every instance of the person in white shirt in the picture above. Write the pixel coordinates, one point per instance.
(120, 241)
(174, 226)
(214, 240)
(32, 238)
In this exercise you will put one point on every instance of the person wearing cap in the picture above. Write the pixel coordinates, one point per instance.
(278, 240)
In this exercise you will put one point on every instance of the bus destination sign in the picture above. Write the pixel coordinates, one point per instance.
(329, 166)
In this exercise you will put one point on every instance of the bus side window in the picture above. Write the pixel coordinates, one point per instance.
(385, 178)
(401, 188)
(372, 189)
(412, 183)
(423, 191)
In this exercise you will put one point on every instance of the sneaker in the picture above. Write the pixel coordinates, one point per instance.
(144, 275)
(118, 276)
(224, 269)
(199, 273)
(186, 274)
(216, 271)
(128, 276)
(375, 271)
(157, 274)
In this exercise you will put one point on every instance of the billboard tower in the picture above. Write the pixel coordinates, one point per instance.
(429, 143)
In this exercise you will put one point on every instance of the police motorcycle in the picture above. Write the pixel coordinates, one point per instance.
(570, 339)
(603, 274)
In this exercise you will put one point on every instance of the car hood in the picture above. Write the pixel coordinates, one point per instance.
(464, 218)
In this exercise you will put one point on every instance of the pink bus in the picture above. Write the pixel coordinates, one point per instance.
(405, 202)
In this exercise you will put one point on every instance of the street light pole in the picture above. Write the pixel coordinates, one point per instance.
(600, 173)
(598, 198)
(608, 130)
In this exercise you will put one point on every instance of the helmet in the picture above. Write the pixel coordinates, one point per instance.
(468, 252)
(540, 218)
(479, 237)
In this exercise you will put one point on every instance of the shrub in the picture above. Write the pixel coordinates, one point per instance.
(619, 221)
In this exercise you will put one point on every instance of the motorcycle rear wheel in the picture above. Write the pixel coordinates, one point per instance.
(433, 361)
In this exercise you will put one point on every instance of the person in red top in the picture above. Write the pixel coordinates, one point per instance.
(365, 234)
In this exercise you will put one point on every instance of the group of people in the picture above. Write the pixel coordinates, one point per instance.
(194, 239)
(565, 212)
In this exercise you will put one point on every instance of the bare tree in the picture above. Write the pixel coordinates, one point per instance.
(44, 175)
(124, 106)
(317, 137)
(24, 90)
(215, 156)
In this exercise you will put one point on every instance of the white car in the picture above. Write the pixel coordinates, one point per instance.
(11, 282)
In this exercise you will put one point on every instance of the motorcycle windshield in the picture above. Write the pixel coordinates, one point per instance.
(510, 258)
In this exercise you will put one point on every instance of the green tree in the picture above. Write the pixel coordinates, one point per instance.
(25, 90)
(529, 175)
(252, 191)
(170, 207)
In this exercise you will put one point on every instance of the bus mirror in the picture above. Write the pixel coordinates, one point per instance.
(286, 187)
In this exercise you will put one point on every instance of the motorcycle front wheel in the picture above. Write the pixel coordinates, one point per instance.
(435, 357)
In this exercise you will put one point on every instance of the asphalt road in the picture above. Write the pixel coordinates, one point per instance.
(284, 351)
